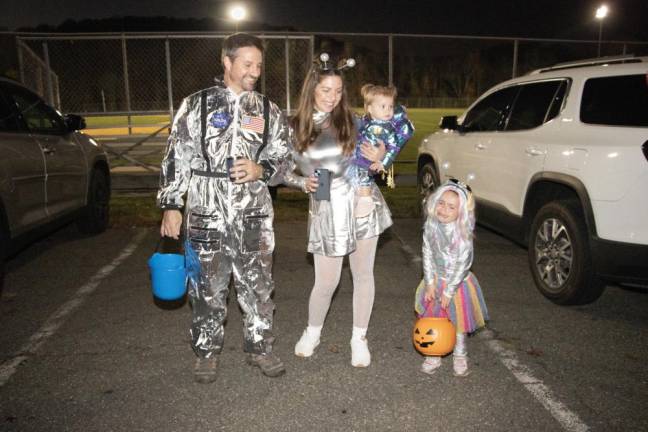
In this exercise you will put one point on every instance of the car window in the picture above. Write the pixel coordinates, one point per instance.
(9, 121)
(489, 113)
(531, 105)
(616, 101)
(39, 117)
(559, 98)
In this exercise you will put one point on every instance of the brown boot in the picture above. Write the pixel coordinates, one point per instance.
(270, 364)
(205, 369)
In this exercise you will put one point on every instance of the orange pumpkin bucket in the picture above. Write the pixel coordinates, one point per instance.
(434, 336)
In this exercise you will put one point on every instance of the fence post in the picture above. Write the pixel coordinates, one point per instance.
(287, 47)
(48, 74)
(391, 59)
(167, 53)
(515, 58)
(126, 84)
(21, 65)
(264, 42)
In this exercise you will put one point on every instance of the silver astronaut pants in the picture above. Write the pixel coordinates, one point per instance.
(229, 236)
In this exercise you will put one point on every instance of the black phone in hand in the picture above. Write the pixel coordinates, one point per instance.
(323, 192)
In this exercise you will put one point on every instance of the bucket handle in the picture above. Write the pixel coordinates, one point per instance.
(179, 240)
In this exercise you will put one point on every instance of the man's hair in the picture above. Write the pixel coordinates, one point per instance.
(370, 91)
(239, 40)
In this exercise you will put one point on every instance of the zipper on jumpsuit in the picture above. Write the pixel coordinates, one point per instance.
(230, 216)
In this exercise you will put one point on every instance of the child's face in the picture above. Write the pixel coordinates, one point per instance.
(381, 108)
(447, 208)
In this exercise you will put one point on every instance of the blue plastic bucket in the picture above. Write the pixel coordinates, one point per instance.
(168, 275)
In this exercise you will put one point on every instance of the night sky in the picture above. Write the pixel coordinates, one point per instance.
(569, 19)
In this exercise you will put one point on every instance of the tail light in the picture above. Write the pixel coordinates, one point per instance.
(644, 148)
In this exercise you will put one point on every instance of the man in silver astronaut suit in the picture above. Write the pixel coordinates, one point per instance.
(228, 212)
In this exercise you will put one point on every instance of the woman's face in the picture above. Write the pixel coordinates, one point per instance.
(328, 93)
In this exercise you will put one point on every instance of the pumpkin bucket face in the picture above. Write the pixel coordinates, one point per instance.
(434, 336)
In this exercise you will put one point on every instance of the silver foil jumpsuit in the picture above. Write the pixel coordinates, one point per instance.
(228, 227)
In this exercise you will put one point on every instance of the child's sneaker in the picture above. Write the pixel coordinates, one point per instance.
(306, 344)
(460, 366)
(431, 364)
(360, 356)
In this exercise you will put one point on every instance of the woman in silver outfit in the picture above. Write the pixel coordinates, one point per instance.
(323, 135)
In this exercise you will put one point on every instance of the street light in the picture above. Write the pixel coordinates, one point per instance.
(237, 13)
(601, 13)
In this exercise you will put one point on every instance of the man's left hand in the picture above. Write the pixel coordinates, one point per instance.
(245, 170)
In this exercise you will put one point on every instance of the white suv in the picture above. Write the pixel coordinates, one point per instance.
(558, 161)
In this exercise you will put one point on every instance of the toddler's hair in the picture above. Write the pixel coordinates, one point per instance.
(466, 216)
(370, 91)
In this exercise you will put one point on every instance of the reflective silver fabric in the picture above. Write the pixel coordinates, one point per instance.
(378, 220)
(444, 255)
(331, 227)
(228, 227)
(461, 347)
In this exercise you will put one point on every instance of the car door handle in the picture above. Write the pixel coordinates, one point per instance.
(48, 150)
(480, 146)
(531, 151)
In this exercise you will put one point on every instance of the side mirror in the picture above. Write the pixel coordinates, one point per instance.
(448, 123)
(74, 122)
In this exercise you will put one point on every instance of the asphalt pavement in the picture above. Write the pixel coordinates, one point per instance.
(85, 347)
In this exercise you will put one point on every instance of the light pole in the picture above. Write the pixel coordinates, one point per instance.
(601, 13)
(237, 13)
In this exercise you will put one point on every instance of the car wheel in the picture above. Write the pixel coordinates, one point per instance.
(94, 217)
(428, 179)
(559, 255)
(4, 242)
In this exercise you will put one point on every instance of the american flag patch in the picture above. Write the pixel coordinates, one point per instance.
(254, 124)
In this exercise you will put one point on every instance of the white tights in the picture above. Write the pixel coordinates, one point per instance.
(327, 277)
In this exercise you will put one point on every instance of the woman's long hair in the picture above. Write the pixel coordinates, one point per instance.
(341, 117)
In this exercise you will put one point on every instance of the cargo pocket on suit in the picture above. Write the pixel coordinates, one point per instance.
(204, 231)
(253, 220)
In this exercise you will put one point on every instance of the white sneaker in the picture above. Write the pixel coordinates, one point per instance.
(360, 356)
(460, 366)
(306, 344)
(431, 364)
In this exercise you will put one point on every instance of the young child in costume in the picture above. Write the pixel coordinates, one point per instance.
(385, 121)
(449, 288)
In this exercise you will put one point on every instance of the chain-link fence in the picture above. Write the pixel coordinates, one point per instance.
(144, 73)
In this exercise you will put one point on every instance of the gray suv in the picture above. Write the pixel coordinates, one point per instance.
(50, 173)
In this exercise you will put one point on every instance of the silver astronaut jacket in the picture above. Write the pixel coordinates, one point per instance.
(195, 165)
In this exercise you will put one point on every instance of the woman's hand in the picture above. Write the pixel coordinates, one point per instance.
(373, 154)
(171, 222)
(311, 184)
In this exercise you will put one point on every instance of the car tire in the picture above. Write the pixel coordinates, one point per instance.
(95, 215)
(428, 179)
(427, 182)
(559, 255)
(3, 254)
(4, 246)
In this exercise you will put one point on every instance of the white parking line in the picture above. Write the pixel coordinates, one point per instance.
(9, 367)
(567, 419)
